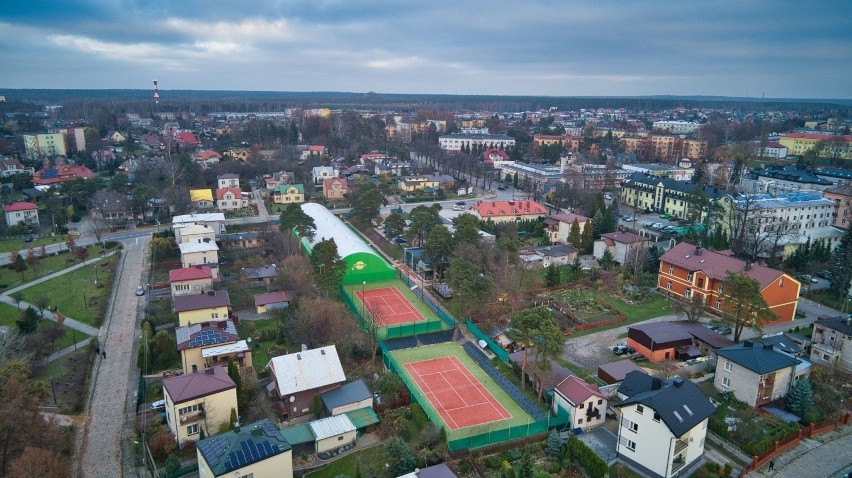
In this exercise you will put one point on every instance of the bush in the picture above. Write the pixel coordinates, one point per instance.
(493, 461)
(588, 459)
(161, 445)
(418, 415)
(759, 447)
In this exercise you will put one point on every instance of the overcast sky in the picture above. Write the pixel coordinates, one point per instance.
(792, 49)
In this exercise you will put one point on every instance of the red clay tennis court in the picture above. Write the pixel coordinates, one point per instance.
(388, 306)
(455, 393)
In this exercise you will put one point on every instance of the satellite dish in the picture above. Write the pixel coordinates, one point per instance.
(292, 398)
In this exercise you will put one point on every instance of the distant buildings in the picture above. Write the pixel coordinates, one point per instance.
(664, 195)
(508, 211)
(25, 213)
(677, 127)
(830, 146)
(459, 141)
(46, 144)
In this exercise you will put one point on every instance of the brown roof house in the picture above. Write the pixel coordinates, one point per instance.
(263, 303)
(298, 377)
(625, 247)
(585, 403)
(196, 401)
(209, 344)
(213, 305)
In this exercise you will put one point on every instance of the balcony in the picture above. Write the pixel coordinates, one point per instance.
(191, 417)
(677, 465)
(680, 445)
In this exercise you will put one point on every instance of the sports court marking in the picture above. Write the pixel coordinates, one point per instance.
(388, 306)
(455, 393)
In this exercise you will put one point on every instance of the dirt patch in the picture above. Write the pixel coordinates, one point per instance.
(67, 379)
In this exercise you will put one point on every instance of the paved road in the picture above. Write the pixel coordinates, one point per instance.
(101, 453)
(821, 457)
(82, 241)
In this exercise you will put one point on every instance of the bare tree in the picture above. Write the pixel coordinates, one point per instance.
(372, 318)
(13, 347)
(692, 308)
(108, 209)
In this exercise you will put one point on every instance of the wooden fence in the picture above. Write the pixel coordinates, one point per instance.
(788, 444)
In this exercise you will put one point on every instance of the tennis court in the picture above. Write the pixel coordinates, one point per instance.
(455, 393)
(388, 306)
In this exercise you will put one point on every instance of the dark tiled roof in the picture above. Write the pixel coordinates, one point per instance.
(263, 272)
(673, 185)
(708, 336)
(618, 370)
(190, 386)
(788, 173)
(782, 343)
(680, 404)
(635, 382)
(233, 450)
(346, 394)
(756, 357)
(839, 323)
(662, 332)
(576, 391)
(204, 300)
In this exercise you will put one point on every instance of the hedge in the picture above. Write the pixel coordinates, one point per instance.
(590, 461)
(760, 447)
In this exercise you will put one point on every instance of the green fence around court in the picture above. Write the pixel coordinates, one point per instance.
(490, 436)
(393, 331)
(499, 351)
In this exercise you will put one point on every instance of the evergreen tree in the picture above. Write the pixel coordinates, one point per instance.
(552, 277)
(28, 321)
(840, 268)
(800, 399)
(574, 234)
(234, 373)
(587, 239)
(606, 261)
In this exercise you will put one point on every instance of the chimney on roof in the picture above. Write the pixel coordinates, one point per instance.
(298, 356)
(656, 383)
(677, 382)
(767, 346)
(210, 371)
(748, 343)
(304, 348)
(211, 293)
(236, 426)
(698, 249)
(322, 351)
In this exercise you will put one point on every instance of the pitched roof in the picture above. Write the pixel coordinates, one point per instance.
(19, 206)
(220, 193)
(662, 332)
(190, 247)
(619, 369)
(190, 273)
(624, 237)
(205, 334)
(186, 137)
(840, 323)
(206, 155)
(708, 336)
(717, 265)
(262, 272)
(283, 188)
(233, 450)
(191, 386)
(756, 357)
(635, 382)
(576, 391)
(346, 394)
(781, 342)
(196, 195)
(331, 426)
(568, 218)
(204, 300)
(680, 403)
(487, 209)
(306, 370)
(271, 298)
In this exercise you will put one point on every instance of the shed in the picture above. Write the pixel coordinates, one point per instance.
(349, 396)
(615, 372)
(333, 432)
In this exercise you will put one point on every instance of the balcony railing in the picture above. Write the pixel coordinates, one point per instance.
(680, 445)
(191, 417)
(677, 465)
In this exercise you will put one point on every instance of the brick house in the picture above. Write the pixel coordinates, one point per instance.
(686, 270)
(334, 189)
(298, 377)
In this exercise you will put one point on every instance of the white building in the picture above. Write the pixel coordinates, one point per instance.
(771, 150)
(662, 170)
(215, 220)
(321, 173)
(676, 127)
(456, 141)
(200, 253)
(585, 403)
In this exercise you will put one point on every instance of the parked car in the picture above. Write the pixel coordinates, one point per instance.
(621, 349)
(647, 223)
(399, 240)
(665, 216)
(809, 278)
(28, 238)
(607, 196)
(502, 187)
(158, 405)
(140, 290)
(628, 219)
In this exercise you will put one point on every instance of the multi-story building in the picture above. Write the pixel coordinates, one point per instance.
(299, 377)
(662, 170)
(832, 342)
(289, 194)
(568, 142)
(215, 221)
(841, 196)
(676, 127)
(208, 306)
(335, 189)
(771, 150)
(584, 403)
(837, 176)
(11, 166)
(45, 144)
(457, 141)
(664, 195)
(230, 199)
(625, 247)
(229, 180)
(208, 344)
(687, 270)
(756, 373)
(508, 211)
(545, 178)
(782, 180)
(198, 401)
(201, 199)
(558, 226)
(192, 280)
(595, 176)
(321, 173)
(200, 253)
(61, 173)
(25, 213)
(664, 147)
(662, 425)
(830, 146)
(273, 456)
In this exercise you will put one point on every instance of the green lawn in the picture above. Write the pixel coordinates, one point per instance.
(519, 417)
(654, 305)
(75, 293)
(50, 264)
(9, 315)
(10, 245)
(827, 298)
(372, 462)
(260, 352)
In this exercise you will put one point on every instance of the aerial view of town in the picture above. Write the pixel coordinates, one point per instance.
(332, 240)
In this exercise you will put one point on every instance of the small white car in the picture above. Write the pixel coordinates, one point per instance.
(158, 405)
(140, 290)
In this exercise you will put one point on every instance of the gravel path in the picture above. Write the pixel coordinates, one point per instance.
(101, 453)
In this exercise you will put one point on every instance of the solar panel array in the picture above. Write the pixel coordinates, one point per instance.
(526, 404)
(213, 449)
(219, 452)
(209, 337)
(249, 452)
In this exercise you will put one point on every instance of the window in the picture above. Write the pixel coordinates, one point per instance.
(189, 409)
(669, 285)
(689, 277)
(721, 288)
(582, 406)
(600, 402)
(631, 445)
(687, 293)
(192, 429)
(340, 438)
(718, 304)
(580, 421)
(701, 283)
(671, 269)
(214, 315)
(656, 417)
(640, 409)
(632, 426)
(726, 382)
(729, 366)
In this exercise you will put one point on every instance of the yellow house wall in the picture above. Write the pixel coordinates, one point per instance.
(335, 441)
(278, 466)
(197, 258)
(190, 357)
(195, 286)
(217, 410)
(202, 315)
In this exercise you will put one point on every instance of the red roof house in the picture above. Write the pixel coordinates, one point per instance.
(61, 174)
(503, 211)
(584, 402)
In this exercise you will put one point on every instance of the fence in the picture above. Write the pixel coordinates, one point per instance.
(499, 351)
(419, 292)
(513, 391)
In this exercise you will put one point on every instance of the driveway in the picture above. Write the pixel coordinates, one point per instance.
(592, 350)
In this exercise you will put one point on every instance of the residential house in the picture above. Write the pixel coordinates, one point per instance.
(545, 256)
(335, 189)
(206, 158)
(313, 150)
(425, 182)
(625, 247)
(756, 373)
(25, 213)
(558, 226)
(242, 240)
(289, 194)
(208, 344)
(228, 180)
(152, 142)
(346, 398)
(200, 253)
(257, 450)
(271, 182)
(198, 401)
(298, 377)
(321, 173)
(662, 427)
(508, 211)
(11, 167)
(259, 275)
(664, 195)
(61, 173)
(585, 403)
(786, 342)
(197, 233)
(230, 199)
(832, 342)
(263, 303)
(186, 139)
(332, 432)
(440, 470)
(841, 195)
(215, 220)
(190, 280)
(239, 154)
(208, 306)
(115, 137)
(686, 270)
(201, 199)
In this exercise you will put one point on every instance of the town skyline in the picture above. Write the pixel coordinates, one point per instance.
(776, 50)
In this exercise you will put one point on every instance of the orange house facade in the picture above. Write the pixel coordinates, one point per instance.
(686, 271)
